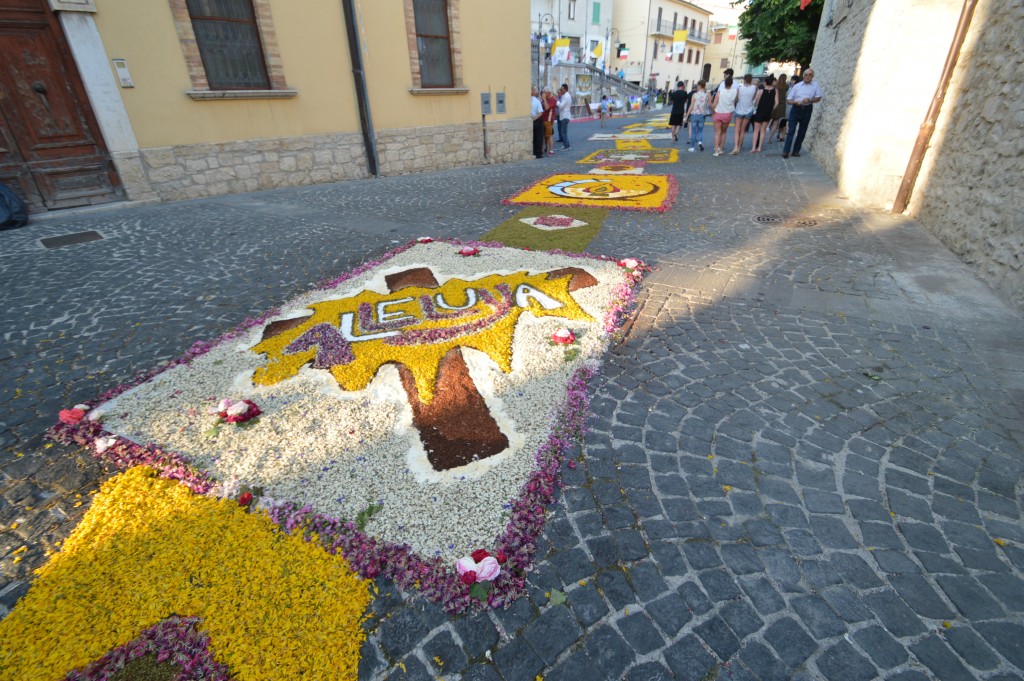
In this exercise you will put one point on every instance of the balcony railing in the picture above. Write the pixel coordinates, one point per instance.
(666, 28)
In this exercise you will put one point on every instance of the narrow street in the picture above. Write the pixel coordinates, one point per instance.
(805, 458)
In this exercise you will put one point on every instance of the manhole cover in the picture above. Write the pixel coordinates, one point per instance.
(802, 222)
(71, 239)
(768, 219)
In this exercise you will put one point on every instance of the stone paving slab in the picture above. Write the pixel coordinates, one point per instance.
(804, 458)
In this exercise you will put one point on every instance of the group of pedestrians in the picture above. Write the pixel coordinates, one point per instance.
(740, 104)
(743, 104)
(549, 114)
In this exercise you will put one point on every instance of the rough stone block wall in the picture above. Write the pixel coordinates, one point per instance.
(201, 170)
(879, 63)
(413, 150)
(969, 191)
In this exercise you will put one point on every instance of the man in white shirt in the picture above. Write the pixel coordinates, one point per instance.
(564, 115)
(802, 96)
(537, 112)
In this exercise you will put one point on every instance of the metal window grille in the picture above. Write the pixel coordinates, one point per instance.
(433, 42)
(229, 44)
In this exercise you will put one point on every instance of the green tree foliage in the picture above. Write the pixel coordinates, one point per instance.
(778, 30)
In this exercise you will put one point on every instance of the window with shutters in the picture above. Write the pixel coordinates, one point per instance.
(433, 43)
(718, 38)
(572, 9)
(435, 52)
(230, 48)
(229, 44)
(596, 19)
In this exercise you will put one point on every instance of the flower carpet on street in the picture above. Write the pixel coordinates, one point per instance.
(633, 144)
(631, 168)
(411, 415)
(648, 155)
(191, 581)
(652, 193)
(541, 228)
(629, 136)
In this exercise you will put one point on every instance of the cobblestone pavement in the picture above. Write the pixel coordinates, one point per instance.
(805, 458)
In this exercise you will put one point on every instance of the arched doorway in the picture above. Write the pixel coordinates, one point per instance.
(705, 73)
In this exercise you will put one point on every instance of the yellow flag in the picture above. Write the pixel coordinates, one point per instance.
(679, 42)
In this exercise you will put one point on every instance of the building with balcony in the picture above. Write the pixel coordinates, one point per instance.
(647, 28)
(586, 23)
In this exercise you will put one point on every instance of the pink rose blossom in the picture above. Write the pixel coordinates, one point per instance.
(563, 337)
(466, 251)
(71, 416)
(104, 443)
(425, 240)
(629, 263)
(483, 571)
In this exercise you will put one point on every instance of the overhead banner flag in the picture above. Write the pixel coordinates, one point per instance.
(623, 51)
(733, 30)
(679, 42)
(560, 51)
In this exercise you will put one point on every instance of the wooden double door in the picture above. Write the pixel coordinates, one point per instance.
(51, 150)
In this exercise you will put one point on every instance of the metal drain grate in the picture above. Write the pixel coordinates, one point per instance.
(768, 219)
(71, 239)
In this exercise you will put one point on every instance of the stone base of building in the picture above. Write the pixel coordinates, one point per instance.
(202, 170)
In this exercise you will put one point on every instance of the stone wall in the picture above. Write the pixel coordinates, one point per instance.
(414, 150)
(201, 170)
(969, 191)
(879, 64)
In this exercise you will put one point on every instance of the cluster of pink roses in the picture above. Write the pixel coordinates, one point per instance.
(563, 337)
(236, 411)
(480, 566)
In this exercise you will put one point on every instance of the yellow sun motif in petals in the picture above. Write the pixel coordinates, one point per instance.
(416, 327)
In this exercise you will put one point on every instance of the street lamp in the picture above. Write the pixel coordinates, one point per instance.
(549, 19)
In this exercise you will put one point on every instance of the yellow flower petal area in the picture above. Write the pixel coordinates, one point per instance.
(655, 155)
(530, 293)
(635, 192)
(633, 144)
(275, 606)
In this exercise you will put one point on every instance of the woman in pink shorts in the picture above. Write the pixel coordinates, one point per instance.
(723, 106)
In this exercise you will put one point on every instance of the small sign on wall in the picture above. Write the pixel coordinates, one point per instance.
(123, 76)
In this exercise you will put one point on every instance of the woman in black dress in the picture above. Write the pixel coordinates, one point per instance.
(763, 106)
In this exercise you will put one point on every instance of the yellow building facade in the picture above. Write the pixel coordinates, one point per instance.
(194, 98)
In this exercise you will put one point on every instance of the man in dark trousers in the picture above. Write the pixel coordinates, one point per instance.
(537, 111)
(675, 117)
(802, 96)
